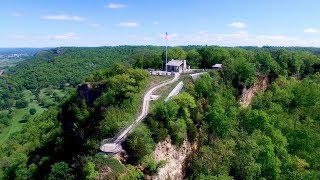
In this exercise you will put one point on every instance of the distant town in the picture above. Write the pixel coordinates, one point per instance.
(13, 56)
(10, 56)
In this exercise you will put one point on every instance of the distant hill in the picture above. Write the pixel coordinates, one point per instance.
(29, 51)
(70, 65)
(314, 50)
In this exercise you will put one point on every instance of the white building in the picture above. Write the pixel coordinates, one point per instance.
(177, 66)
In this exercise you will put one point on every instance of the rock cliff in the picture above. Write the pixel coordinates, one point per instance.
(89, 91)
(248, 94)
(176, 159)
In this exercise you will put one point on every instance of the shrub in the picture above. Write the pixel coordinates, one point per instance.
(32, 111)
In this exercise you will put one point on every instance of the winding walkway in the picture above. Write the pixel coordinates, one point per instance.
(114, 145)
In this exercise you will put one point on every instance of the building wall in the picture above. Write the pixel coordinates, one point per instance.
(180, 68)
(174, 68)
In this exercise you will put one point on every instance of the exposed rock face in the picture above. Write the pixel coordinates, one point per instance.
(248, 94)
(89, 91)
(176, 159)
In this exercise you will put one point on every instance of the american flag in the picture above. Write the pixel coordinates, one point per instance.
(166, 36)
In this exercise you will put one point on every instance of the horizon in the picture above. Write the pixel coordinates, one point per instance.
(127, 22)
(266, 46)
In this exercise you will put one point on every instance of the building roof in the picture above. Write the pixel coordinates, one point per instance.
(217, 66)
(175, 63)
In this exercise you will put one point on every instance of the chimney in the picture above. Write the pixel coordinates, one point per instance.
(184, 64)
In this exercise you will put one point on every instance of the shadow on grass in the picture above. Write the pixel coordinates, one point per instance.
(23, 121)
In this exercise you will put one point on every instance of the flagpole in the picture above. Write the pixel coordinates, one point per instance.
(166, 50)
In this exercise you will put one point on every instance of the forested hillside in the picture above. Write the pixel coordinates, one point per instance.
(71, 135)
(61, 66)
(50, 77)
(276, 137)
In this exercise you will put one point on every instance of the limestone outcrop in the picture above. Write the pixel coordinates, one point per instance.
(176, 159)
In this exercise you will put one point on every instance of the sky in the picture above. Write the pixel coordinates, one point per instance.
(53, 23)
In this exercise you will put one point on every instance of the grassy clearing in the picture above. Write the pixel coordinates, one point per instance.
(165, 91)
(18, 120)
(48, 95)
(18, 116)
(9, 62)
(130, 114)
(154, 80)
(105, 162)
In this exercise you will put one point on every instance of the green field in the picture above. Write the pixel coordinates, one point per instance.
(18, 120)
(9, 62)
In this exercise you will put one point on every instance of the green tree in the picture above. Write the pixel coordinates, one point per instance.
(158, 131)
(218, 122)
(270, 163)
(266, 64)
(245, 165)
(203, 86)
(8, 103)
(185, 100)
(212, 55)
(256, 120)
(59, 171)
(191, 130)
(133, 173)
(166, 112)
(214, 160)
(21, 103)
(5, 121)
(193, 58)
(175, 53)
(139, 144)
(178, 131)
(239, 72)
(144, 58)
(89, 171)
(32, 111)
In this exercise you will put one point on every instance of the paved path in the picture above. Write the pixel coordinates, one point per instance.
(115, 145)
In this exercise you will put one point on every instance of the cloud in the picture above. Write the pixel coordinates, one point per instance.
(129, 24)
(95, 25)
(63, 17)
(203, 20)
(311, 30)
(174, 35)
(67, 36)
(148, 38)
(238, 25)
(155, 23)
(240, 38)
(115, 6)
(239, 34)
(132, 36)
(19, 36)
(16, 14)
